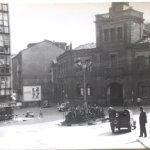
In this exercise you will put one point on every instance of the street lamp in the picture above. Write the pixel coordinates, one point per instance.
(84, 65)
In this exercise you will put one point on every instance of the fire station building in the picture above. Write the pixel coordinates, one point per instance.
(120, 67)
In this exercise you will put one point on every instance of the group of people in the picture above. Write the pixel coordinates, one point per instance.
(77, 114)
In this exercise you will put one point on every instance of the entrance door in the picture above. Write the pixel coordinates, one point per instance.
(116, 94)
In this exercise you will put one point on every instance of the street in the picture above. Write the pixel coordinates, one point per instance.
(47, 133)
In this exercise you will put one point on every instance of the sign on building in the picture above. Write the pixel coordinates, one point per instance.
(32, 93)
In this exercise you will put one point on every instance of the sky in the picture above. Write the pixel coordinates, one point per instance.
(64, 21)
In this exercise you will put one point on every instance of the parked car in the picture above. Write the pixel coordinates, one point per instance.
(122, 119)
(46, 104)
(63, 107)
(29, 114)
(6, 113)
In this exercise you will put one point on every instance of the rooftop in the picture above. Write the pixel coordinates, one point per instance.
(86, 46)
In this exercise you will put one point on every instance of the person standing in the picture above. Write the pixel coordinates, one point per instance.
(142, 121)
(40, 113)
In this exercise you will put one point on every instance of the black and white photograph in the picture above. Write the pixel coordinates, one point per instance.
(74, 74)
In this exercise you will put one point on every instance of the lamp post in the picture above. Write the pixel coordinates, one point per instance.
(84, 65)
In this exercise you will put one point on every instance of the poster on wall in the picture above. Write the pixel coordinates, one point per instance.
(32, 93)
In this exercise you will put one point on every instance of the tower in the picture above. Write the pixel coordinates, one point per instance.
(5, 62)
(121, 26)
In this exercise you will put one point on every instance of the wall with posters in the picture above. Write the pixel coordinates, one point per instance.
(31, 93)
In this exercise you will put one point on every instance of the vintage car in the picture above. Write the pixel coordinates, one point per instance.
(6, 113)
(29, 114)
(122, 119)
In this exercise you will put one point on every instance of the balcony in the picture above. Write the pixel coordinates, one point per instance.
(111, 72)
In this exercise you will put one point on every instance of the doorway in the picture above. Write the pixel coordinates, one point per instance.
(116, 94)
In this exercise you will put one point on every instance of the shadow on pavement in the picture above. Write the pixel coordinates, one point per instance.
(123, 131)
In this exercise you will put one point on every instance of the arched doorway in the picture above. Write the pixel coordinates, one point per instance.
(116, 94)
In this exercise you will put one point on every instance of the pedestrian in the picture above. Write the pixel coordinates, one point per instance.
(142, 121)
(139, 101)
(41, 113)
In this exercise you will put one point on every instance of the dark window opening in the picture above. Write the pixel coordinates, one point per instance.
(112, 34)
(106, 34)
(119, 33)
(113, 60)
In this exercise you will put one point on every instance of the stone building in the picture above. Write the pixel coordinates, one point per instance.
(119, 37)
(68, 79)
(120, 61)
(31, 67)
(5, 62)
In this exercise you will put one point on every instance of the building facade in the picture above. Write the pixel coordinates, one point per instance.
(120, 61)
(5, 54)
(68, 79)
(31, 68)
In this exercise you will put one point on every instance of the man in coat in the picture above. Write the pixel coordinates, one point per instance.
(142, 121)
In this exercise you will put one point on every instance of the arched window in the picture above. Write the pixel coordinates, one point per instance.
(89, 90)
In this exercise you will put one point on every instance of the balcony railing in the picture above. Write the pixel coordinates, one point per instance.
(103, 16)
(109, 72)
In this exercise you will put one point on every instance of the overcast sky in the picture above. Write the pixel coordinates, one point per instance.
(34, 21)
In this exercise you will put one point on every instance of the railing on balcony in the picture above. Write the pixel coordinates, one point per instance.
(109, 72)
(103, 16)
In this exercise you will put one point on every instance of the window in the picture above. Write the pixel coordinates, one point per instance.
(2, 70)
(1, 29)
(7, 92)
(2, 82)
(5, 7)
(89, 90)
(0, 6)
(7, 60)
(6, 29)
(5, 16)
(2, 92)
(2, 60)
(5, 23)
(1, 49)
(113, 60)
(82, 91)
(6, 39)
(7, 70)
(119, 33)
(7, 82)
(112, 34)
(106, 34)
(1, 16)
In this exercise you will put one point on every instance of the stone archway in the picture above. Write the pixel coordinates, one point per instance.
(115, 94)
